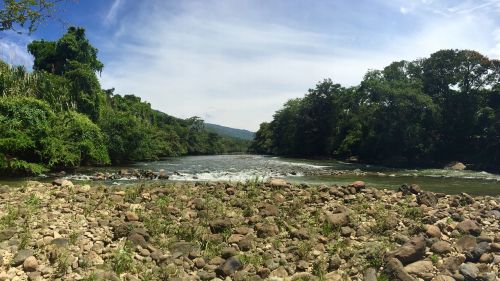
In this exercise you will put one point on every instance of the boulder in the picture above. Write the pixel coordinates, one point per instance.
(458, 166)
(433, 231)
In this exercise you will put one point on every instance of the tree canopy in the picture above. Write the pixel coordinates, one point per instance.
(438, 109)
(58, 117)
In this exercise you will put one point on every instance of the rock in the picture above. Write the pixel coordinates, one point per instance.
(421, 269)
(162, 175)
(278, 183)
(63, 183)
(229, 267)
(465, 243)
(183, 247)
(409, 189)
(137, 239)
(245, 244)
(427, 198)
(337, 220)
(268, 210)
(30, 264)
(6, 234)
(358, 185)
(433, 231)
(60, 242)
(206, 275)
(459, 166)
(228, 252)
(370, 274)
(265, 230)
(131, 216)
(279, 272)
(219, 225)
(469, 271)
(394, 268)
(495, 247)
(21, 256)
(443, 278)
(469, 227)
(411, 251)
(301, 234)
(441, 247)
(475, 254)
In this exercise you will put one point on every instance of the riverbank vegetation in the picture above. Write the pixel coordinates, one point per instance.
(442, 108)
(58, 117)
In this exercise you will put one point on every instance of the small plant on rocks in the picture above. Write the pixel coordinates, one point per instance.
(123, 260)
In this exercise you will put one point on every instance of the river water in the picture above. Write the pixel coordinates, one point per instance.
(256, 167)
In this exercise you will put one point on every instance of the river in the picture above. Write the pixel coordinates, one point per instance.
(257, 167)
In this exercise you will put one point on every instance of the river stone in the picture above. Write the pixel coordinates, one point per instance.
(183, 247)
(7, 233)
(441, 247)
(228, 252)
(370, 274)
(60, 242)
(268, 210)
(469, 227)
(137, 240)
(337, 220)
(475, 254)
(219, 225)
(411, 251)
(421, 269)
(455, 165)
(265, 230)
(394, 268)
(433, 231)
(206, 275)
(427, 198)
(278, 183)
(469, 271)
(410, 189)
(131, 216)
(21, 256)
(443, 278)
(229, 267)
(466, 243)
(30, 264)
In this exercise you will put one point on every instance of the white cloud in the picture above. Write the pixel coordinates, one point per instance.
(113, 12)
(238, 71)
(13, 49)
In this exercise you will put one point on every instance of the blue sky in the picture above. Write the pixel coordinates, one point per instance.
(236, 62)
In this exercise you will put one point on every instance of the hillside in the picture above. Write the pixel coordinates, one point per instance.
(230, 132)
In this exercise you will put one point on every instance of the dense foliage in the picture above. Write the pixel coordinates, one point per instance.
(15, 14)
(442, 108)
(59, 117)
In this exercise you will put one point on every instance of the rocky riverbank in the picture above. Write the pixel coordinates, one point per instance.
(253, 231)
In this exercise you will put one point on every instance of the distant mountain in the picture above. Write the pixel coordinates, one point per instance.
(230, 132)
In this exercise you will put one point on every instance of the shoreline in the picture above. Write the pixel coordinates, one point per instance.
(254, 231)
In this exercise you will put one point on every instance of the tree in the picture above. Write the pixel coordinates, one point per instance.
(26, 13)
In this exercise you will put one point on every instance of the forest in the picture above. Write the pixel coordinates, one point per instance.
(58, 117)
(425, 112)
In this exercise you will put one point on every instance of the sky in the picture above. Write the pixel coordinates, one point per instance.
(235, 62)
